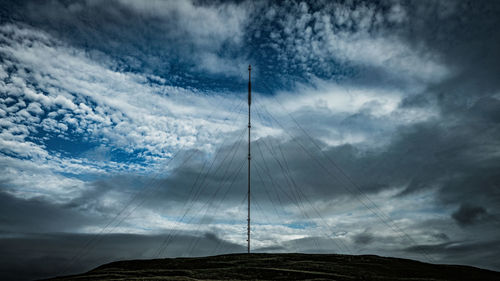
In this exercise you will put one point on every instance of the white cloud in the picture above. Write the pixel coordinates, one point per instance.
(340, 99)
(128, 112)
(353, 36)
(27, 179)
(35, 108)
(330, 105)
(207, 28)
(66, 93)
(206, 25)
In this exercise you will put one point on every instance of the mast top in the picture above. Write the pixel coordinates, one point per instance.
(249, 86)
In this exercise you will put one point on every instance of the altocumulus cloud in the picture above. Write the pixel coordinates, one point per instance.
(375, 130)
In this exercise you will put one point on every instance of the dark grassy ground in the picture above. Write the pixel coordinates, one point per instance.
(283, 267)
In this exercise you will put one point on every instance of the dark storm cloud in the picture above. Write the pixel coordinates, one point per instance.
(36, 256)
(203, 179)
(465, 33)
(39, 235)
(282, 171)
(364, 238)
(38, 215)
(441, 236)
(467, 214)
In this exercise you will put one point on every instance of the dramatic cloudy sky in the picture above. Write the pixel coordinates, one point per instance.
(376, 130)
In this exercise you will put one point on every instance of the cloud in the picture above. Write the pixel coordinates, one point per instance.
(467, 214)
(204, 24)
(343, 114)
(26, 179)
(47, 262)
(82, 96)
(205, 28)
(363, 238)
(338, 40)
(159, 36)
(57, 93)
(20, 216)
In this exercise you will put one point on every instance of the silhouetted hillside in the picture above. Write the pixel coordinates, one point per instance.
(283, 267)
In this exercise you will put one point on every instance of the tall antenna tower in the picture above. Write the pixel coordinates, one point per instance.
(249, 157)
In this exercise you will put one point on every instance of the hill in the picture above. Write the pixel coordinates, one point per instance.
(283, 267)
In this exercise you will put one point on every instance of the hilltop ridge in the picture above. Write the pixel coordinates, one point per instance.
(262, 266)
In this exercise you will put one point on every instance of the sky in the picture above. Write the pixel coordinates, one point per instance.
(375, 130)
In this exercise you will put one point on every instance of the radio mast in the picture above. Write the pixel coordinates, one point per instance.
(249, 157)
